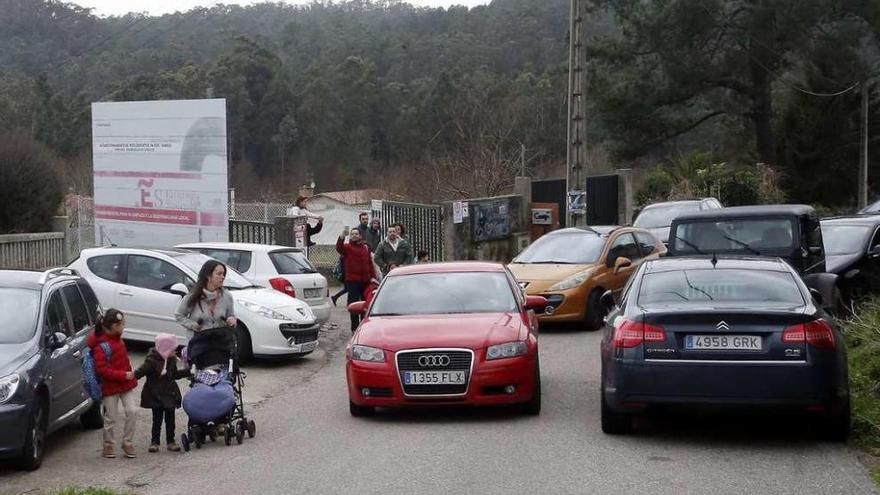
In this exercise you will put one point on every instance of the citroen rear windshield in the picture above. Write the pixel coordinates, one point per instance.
(719, 286)
(445, 293)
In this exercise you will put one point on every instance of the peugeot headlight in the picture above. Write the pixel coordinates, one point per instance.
(263, 311)
(510, 349)
(8, 386)
(572, 281)
(367, 353)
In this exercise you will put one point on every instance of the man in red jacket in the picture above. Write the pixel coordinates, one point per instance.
(359, 270)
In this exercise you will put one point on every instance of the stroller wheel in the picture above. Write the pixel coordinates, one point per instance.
(228, 437)
(251, 428)
(184, 442)
(212, 436)
(199, 438)
(239, 433)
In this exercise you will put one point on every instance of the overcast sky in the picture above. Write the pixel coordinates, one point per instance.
(158, 7)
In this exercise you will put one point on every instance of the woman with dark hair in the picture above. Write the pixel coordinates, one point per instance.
(208, 304)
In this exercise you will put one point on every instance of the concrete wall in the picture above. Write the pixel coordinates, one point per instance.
(492, 231)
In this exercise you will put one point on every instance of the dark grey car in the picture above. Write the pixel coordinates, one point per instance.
(722, 333)
(48, 317)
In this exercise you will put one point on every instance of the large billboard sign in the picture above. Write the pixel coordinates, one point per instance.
(160, 172)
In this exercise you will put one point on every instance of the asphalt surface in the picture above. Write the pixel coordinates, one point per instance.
(308, 443)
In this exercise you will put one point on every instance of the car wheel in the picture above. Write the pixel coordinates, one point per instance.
(595, 312)
(836, 426)
(35, 442)
(243, 344)
(92, 418)
(360, 411)
(614, 423)
(533, 406)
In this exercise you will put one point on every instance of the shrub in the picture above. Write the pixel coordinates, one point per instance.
(30, 188)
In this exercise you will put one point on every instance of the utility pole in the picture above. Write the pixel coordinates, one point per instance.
(863, 158)
(522, 160)
(576, 153)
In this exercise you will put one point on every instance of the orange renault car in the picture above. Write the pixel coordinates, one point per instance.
(573, 267)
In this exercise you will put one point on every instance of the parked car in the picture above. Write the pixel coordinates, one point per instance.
(657, 217)
(852, 252)
(871, 209)
(446, 333)
(148, 284)
(283, 268)
(48, 318)
(572, 267)
(725, 332)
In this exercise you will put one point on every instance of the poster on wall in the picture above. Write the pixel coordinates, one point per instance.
(160, 172)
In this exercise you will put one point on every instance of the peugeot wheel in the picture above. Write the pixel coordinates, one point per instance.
(35, 442)
(595, 311)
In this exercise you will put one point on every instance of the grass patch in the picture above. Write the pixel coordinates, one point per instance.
(862, 336)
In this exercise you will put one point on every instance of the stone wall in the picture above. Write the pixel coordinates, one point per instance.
(492, 231)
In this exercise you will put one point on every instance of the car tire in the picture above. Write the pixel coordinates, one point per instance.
(360, 411)
(595, 313)
(533, 406)
(836, 426)
(244, 348)
(35, 441)
(614, 423)
(92, 418)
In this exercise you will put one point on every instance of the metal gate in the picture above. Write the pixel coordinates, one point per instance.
(422, 225)
(602, 202)
(551, 191)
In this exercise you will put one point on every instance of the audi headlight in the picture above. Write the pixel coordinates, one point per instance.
(508, 350)
(572, 281)
(8, 386)
(367, 353)
(263, 311)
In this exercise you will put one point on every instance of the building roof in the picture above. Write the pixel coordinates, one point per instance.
(749, 211)
(354, 197)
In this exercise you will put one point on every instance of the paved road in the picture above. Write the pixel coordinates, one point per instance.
(308, 443)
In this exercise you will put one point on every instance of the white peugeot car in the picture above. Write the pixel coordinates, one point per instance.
(148, 284)
(283, 268)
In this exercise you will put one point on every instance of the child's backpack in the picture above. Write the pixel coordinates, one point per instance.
(339, 270)
(91, 380)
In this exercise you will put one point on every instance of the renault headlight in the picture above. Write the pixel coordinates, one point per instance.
(573, 281)
(367, 353)
(263, 311)
(508, 350)
(8, 386)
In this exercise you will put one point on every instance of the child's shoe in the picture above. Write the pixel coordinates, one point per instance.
(109, 451)
(128, 449)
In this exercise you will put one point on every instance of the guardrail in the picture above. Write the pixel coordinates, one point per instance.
(32, 251)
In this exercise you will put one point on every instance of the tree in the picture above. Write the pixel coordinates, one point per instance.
(30, 187)
(680, 65)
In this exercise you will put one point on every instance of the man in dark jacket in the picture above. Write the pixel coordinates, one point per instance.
(374, 235)
(359, 268)
(394, 251)
(363, 226)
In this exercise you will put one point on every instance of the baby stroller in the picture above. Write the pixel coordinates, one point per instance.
(214, 403)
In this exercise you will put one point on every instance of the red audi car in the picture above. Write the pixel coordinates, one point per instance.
(446, 333)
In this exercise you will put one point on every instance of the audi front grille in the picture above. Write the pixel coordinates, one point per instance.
(435, 360)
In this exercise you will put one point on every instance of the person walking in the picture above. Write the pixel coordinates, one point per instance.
(359, 268)
(363, 226)
(394, 251)
(117, 381)
(161, 394)
(208, 304)
(374, 234)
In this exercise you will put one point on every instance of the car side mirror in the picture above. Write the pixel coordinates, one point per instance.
(179, 289)
(359, 307)
(648, 250)
(607, 299)
(57, 340)
(537, 303)
(621, 263)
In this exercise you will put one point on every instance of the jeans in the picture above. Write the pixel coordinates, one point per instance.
(355, 294)
(168, 415)
(128, 401)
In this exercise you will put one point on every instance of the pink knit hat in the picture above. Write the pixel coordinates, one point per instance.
(166, 344)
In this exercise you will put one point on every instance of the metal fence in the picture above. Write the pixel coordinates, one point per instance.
(258, 212)
(422, 224)
(251, 232)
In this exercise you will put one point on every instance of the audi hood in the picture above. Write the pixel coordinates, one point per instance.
(470, 331)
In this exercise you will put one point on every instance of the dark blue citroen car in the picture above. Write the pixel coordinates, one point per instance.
(722, 333)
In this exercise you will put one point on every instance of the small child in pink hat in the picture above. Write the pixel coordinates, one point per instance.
(161, 393)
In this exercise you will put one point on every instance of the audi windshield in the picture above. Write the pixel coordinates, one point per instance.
(445, 293)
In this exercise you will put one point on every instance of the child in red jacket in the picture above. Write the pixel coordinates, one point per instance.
(117, 380)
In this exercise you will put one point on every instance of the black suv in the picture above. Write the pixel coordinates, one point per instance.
(790, 232)
(48, 316)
